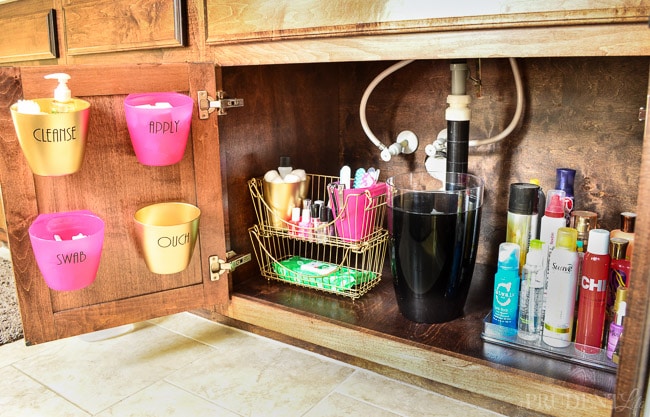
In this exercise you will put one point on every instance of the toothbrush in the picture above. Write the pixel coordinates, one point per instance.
(359, 175)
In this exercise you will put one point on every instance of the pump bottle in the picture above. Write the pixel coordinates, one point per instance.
(531, 295)
(561, 289)
(593, 293)
(506, 286)
(63, 102)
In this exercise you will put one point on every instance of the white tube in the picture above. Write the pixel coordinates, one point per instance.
(515, 117)
(366, 95)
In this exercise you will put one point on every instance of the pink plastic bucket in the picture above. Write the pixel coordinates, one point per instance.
(70, 263)
(355, 210)
(158, 132)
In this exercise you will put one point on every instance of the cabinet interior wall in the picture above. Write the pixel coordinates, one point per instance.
(580, 113)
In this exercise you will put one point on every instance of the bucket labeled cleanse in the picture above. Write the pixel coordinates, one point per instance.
(166, 234)
(68, 248)
(159, 125)
(53, 143)
(355, 209)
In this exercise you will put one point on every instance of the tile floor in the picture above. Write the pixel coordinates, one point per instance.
(184, 365)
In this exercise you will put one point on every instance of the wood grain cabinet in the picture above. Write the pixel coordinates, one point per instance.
(29, 37)
(586, 67)
(92, 27)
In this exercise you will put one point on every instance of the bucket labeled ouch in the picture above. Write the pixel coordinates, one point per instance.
(355, 209)
(159, 125)
(434, 227)
(53, 143)
(68, 248)
(166, 233)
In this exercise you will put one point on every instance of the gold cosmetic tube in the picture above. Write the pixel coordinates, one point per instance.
(166, 233)
(53, 143)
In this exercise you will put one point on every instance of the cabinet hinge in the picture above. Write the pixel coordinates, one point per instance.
(219, 266)
(208, 104)
(642, 114)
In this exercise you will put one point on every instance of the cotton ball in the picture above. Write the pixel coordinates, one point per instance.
(300, 173)
(290, 178)
(272, 176)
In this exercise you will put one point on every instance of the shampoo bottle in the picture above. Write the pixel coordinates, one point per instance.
(593, 293)
(506, 286)
(561, 290)
(531, 294)
(626, 231)
(63, 102)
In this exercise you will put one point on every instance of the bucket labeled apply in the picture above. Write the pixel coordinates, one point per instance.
(68, 247)
(159, 126)
(52, 131)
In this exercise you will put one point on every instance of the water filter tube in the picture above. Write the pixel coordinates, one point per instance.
(457, 116)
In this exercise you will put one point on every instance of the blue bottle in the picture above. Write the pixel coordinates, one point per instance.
(506, 286)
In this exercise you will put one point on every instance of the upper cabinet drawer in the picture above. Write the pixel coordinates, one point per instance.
(231, 21)
(32, 36)
(123, 25)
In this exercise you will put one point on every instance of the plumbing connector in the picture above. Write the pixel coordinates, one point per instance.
(406, 143)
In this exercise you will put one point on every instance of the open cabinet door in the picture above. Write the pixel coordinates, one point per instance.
(114, 185)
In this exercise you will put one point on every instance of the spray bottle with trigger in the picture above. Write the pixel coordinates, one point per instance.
(63, 102)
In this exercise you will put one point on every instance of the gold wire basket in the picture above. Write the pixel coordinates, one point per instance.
(342, 254)
(348, 270)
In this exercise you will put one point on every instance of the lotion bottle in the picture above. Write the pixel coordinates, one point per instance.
(561, 290)
(506, 286)
(63, 102)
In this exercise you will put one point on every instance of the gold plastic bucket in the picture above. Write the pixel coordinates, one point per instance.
(166, 233)
(53, 143)
(281, 198)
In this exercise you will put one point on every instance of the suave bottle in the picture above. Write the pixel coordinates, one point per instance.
(506, 286)
(561, 289)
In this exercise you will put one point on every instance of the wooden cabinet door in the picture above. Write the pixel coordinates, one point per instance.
(114, 185)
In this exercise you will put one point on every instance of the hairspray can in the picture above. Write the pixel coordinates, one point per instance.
(521, 204)
(593, 293)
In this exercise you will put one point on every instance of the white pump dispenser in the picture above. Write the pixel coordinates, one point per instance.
(63, 102)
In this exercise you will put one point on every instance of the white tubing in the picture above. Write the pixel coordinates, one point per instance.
(515, 117)
(366, 95)
(477, 142)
